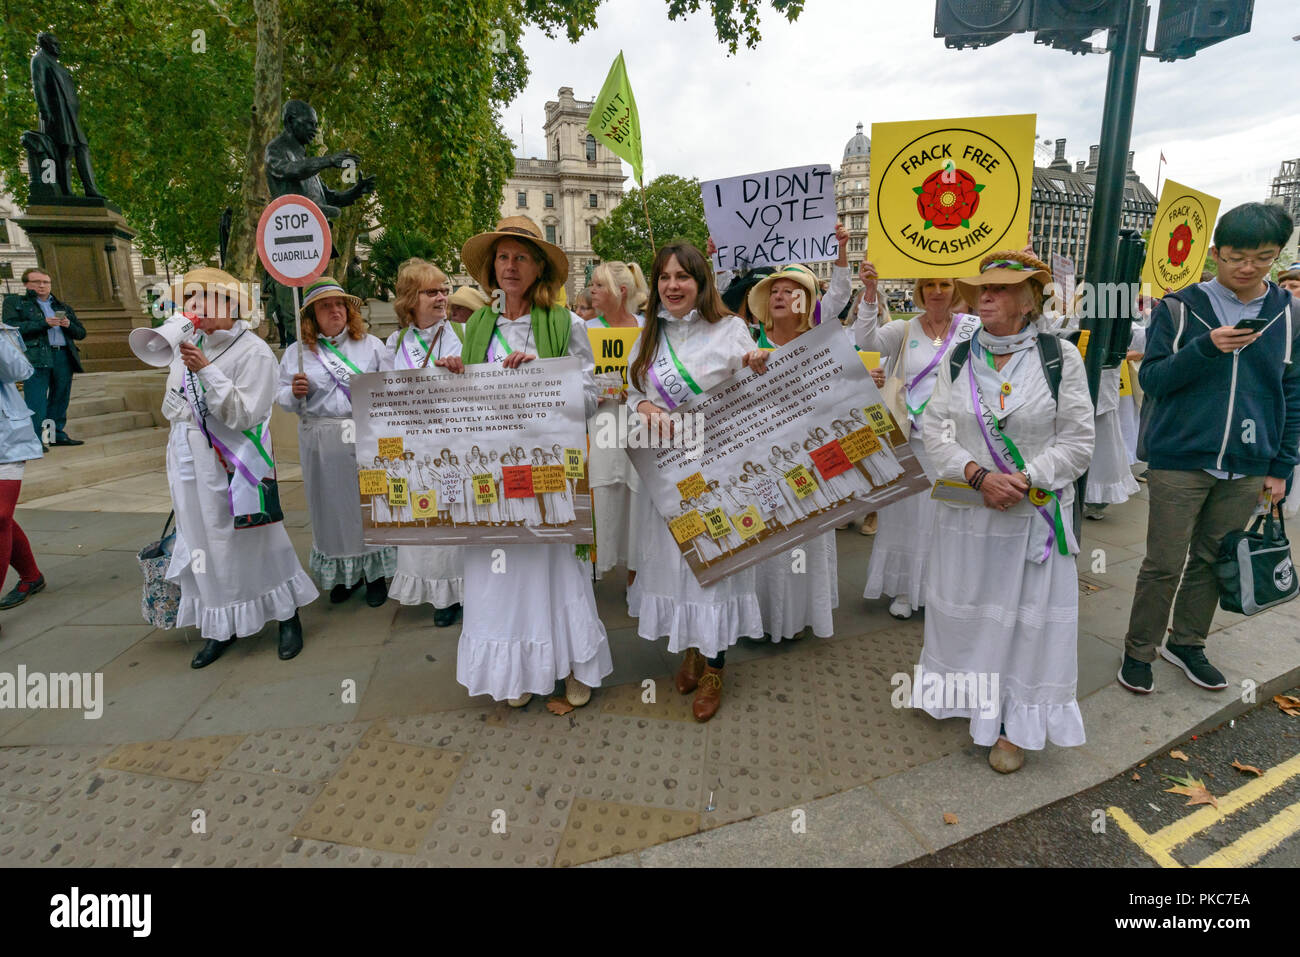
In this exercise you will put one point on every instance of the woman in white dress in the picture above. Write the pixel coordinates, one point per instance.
(1002, 601)
(233, 560)
(335, 347)
(798, 588)
(380, 512)
(567, 514)
(911, 350)
(530, 613)
(689, 344)
(529, 507)
(426, 574)
(618, 291)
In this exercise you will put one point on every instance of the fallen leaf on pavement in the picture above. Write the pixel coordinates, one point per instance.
(1288, 704)
(558, 706)
(949, 818)
(1136, 776)
(1193, 789)
(1247, 767)
(1178, 754)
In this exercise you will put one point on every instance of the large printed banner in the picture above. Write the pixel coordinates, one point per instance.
(492, 456)
(1180, 238)
(772, 218)
(946, 193)
(786, 456)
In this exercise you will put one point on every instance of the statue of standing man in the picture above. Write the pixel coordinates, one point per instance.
(58, 107)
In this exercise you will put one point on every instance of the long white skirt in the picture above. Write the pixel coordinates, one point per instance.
(1130, 418)
(244, 578)
(1110, 477)
(329, 477)
(530, 622)
(616, 531)
(992, 613)
(900, 551)
(429, 575)
(667, 600)
(790, 600)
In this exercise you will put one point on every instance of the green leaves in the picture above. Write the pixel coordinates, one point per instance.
(676, 211)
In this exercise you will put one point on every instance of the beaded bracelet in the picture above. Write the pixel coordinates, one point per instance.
(979, 478)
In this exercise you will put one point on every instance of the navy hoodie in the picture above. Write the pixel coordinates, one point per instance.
(1236, 412)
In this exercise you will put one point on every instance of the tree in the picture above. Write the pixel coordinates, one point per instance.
(676, 212)
(393, 248)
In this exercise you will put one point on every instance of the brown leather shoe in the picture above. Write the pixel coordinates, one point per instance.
(708, 696)
(688, 675)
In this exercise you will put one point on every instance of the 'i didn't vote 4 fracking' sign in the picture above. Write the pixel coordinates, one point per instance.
(772, 218)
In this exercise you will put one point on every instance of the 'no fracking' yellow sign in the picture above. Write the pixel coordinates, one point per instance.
(1180, 238)
(946, 193)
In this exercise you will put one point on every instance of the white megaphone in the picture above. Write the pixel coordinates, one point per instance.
(157, 347)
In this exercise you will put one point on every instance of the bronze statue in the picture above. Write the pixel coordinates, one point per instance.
(290, 170)
(61, 136)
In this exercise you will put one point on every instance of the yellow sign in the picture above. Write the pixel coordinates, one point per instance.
(1084, 335)
(859, 444)
(870, 359)
(424, 505)
(373, 481)
(802, 483)
(391, 448)
(719, 524)
(573, 464)
(1125, 382)
(548, 478)
(685, 527)
(612, 348)
(485, 490)
(1180, 238)
(882, 423)
(946, 193)
(693, 486)
(748, 523)
(397, 492)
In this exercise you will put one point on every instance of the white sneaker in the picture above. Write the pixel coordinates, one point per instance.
(900, 608)
(522, 700)
(575, 692)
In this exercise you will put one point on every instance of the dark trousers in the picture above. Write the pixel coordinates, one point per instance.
(47, 393)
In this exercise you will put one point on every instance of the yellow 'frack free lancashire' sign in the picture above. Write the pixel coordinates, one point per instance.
(1180, 238)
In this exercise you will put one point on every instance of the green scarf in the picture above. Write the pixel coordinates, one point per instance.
(550, 332)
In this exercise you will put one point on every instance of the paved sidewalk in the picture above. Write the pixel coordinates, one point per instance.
(365, 750)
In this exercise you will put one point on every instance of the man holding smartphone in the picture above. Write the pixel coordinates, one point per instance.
(50, 330)
(1221, 431)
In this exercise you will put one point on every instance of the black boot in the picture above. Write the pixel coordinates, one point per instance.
(442, 617)
(341, 593)
(210, 652)
(290, 638)
(376, 593)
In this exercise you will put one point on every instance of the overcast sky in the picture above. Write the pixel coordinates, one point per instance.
(1225, 119)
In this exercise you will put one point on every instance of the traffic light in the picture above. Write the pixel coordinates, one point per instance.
(1067, 24)
(1185, 26)
(1063, 23)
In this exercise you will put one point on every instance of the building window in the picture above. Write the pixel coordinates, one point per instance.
(521, 199)
(591, 148)
(550, 234)
(550, 200)
(857, 222)
(557, 147)
(4, 232)
(592, 200)
(591, 234)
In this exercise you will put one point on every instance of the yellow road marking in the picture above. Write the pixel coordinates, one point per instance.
(1160, 844)
(1254, 844)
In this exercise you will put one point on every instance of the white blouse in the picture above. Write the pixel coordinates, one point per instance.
(325, 397)
(519, 336)
(710, 351)
(239, 379)
(448, 345)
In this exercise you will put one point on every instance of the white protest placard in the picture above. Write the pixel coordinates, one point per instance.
(1063, 276)
(772, 218)
(293, 240)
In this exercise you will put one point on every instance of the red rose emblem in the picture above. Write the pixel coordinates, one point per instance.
(1180, 245)
(947, 199)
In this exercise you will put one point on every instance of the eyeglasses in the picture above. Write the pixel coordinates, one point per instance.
(1259, 262)
(435, 292)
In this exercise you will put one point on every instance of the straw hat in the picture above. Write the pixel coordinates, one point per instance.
(1290, 272)
(468, 297)
(1007, 267)
(213, 280)
(476, 254)
(795, 273)
(325, 288)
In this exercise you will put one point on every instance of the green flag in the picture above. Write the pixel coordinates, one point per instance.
(614, 120)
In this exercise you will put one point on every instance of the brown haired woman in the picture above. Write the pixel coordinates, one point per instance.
(335, 347)
(690, 343)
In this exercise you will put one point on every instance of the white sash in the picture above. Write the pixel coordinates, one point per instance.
(246, 456)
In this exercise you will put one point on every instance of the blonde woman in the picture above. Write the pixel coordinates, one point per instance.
(425, 339)
(618, 292)
(335, 346)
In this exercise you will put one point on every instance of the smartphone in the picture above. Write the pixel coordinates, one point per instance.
(1251, 325)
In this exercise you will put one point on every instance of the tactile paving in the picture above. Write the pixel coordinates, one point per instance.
(745, 792)
(247, 822)
(639, 761)
(43, 774)
(304, 852)
(384, 797)
(449, 730)
(768, 718)
(456, 843)
(101, 822)
(667, 706)
(602, 829)
(187, 759)
(528, 775)
(304, 754)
